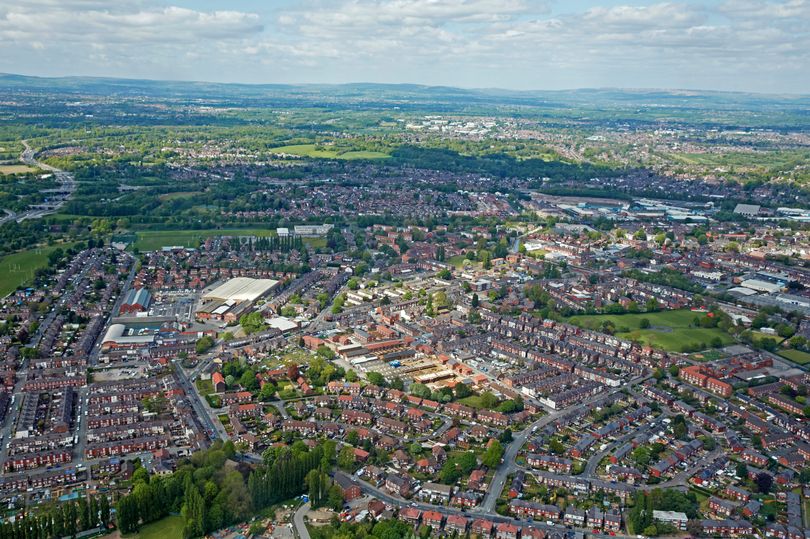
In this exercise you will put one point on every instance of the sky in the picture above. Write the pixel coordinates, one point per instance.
(739, 45)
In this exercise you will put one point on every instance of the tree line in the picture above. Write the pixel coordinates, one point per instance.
(65, 519)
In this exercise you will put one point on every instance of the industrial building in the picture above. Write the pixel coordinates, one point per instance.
(241, 289)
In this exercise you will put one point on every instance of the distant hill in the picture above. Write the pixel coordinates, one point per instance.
(404, 93)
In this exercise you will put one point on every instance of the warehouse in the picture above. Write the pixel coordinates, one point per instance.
(241, 289)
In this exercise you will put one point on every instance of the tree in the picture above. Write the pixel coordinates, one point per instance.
(492, 456)
(674, 370)
(420, 390)
(462, 390)
(475, 301)
(326, 352)
(644, 323)
(248, 380)
(204, 344)
(346, 458)
(268, 391)
(488, 400)
(376, 378)
(193, 512)
(741, 470)
(104, 510)
(127, 514)
(335, 499)
(764, 482)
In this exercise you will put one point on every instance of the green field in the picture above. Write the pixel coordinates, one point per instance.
(170, 527)
(312, 150)
(150, 240)
(18, 268)
(796, 356)
(669, 329)
(16, 169)
(179, 195)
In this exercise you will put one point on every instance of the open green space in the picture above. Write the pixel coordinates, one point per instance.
(473, 401)
(669, 330)
(796, 356)
(313, 150)
(150, 240)
(18, 268)
(178, 195)
(170, 527)
(16, 169)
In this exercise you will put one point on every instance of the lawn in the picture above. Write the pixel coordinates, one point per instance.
(669, 329)
(473, 401)
(205, 387)
(18, 268)
(16, 169)
(796, 356)
(170, 527)
(312, 150)
(458, 261)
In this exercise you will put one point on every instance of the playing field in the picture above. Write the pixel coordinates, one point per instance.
(151, 240)
(312, 150)
(796, 356)
(17, 269)
(669, 330)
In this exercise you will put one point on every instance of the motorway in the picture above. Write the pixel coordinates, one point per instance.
(68, 186)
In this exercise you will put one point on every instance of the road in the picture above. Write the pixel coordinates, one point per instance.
(492, 516)
(298, 521)
(508, 464)
(204, 412)
(67, 188)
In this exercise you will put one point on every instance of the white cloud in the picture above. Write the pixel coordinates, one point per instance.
(740, 44)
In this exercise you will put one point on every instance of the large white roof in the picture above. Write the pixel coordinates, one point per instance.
(241, 289)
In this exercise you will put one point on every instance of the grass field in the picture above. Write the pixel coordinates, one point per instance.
(179, 194)
(312, 150)
(458, 261)
(669, 329)
(473, 401)
(16, 169)
(150, 240)
(796, 356)
(18, 268)
(170, 527)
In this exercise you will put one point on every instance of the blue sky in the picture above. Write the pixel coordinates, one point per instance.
(746, 45)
